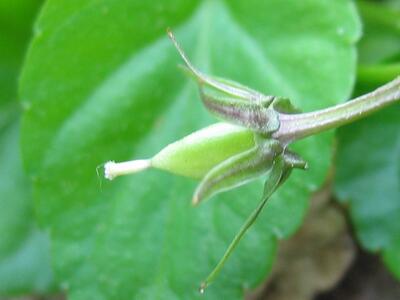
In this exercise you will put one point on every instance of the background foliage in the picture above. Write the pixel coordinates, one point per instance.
(24, 253)
(368, 164)
(109, 89)
(101, 82)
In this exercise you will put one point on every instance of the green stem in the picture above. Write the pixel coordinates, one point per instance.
(297, 126)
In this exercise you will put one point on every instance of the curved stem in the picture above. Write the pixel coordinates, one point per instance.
(297, 126)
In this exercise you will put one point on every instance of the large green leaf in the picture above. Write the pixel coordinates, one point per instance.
(24, 250)
(101, 83)
(368, 179)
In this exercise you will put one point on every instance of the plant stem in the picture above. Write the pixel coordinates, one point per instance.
(297, 126)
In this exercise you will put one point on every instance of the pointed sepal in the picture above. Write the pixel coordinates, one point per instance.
(275, 178)
(238, 170)
(255, 115)
(231, 101)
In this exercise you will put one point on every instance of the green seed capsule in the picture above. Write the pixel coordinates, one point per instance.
(196, 154)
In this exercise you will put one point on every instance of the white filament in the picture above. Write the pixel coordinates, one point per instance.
(113, 169)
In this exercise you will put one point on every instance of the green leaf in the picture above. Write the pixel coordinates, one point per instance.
(24, 250)
(101, 83)
(368, 180)
(380, 41)
(16, 18)
(379, 48)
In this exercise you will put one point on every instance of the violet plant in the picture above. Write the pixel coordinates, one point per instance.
(99, 81)
(257, 134)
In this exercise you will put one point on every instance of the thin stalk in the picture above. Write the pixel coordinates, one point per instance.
(297, 126)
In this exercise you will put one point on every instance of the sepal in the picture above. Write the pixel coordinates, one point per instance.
(238, 170)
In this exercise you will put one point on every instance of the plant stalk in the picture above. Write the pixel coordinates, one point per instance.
(297, 126)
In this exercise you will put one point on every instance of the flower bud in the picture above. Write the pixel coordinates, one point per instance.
(192, 156)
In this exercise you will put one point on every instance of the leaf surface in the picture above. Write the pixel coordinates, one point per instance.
(24, 250)
(368, 180)
(101, 83)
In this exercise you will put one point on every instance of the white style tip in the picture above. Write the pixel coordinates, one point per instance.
(113, 169)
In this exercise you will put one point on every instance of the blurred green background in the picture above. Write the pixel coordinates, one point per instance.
(25, 250)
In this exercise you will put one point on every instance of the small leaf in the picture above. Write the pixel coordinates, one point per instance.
(391, 258)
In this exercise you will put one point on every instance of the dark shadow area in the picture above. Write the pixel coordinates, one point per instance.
(367, 279)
